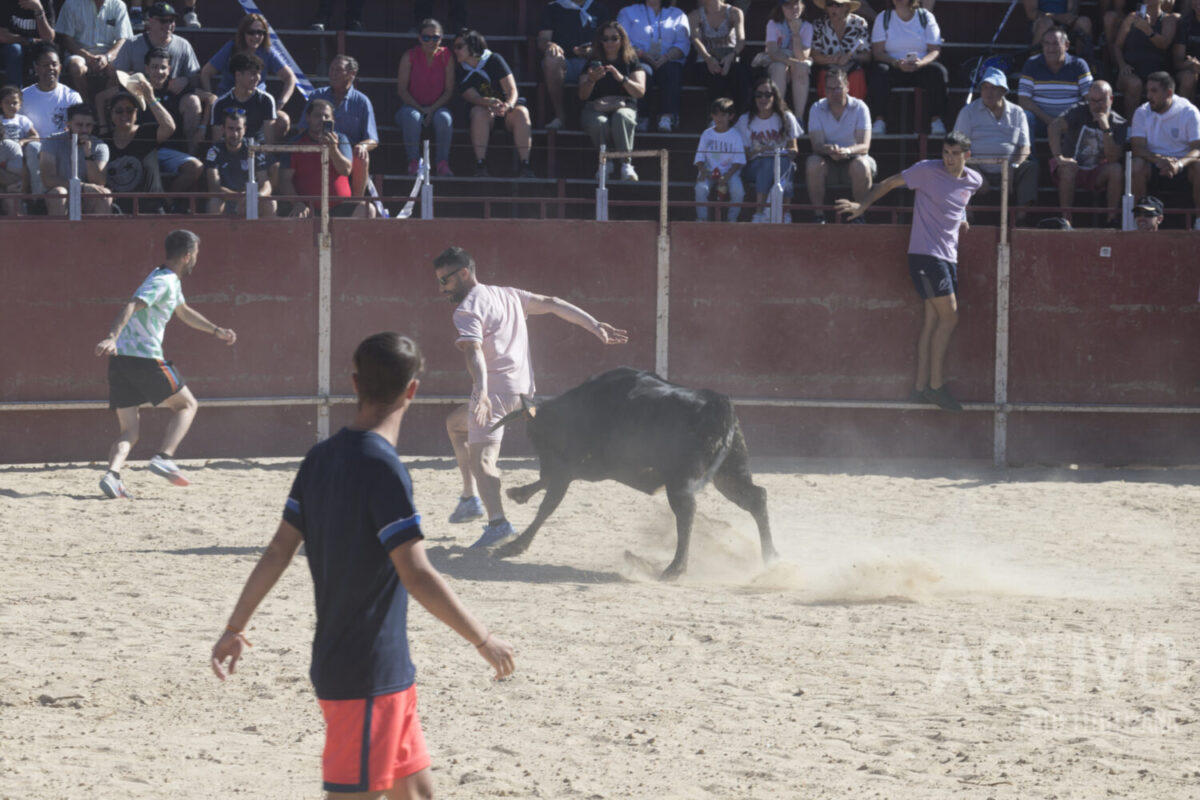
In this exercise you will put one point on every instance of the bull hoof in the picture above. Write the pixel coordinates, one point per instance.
(519, 494)
(513, 548)
(672, 572)
(770, 556)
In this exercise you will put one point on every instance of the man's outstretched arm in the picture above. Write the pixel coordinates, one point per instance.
(541, 304)
(852, 209)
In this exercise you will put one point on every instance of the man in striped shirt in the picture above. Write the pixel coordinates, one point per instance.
(1052, 82)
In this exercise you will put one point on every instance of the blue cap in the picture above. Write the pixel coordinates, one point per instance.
(996, 77)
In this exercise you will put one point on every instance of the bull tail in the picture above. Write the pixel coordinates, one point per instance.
(527, 410)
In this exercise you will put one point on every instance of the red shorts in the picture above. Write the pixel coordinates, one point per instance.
(1085, 179)
(372, 742)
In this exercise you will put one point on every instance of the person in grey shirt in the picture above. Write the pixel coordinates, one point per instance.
(160, 32)
(92, 159)
(999, 129)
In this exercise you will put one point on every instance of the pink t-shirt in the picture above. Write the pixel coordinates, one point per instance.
(494, 316)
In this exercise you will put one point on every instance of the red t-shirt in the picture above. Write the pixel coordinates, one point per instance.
(307, 177)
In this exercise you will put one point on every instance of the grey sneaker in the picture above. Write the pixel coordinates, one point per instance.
(942, 398)
(494, 533)
(190, 20)
(468, 508)
(167, 469)
(114, 488)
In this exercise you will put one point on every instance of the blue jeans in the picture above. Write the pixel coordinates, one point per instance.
(12, 58)
(669, 79)
(1037, 128)
(409, 120)
(737, 193)
(760, 173)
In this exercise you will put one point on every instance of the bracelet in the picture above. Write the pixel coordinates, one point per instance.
(485, 640)
(239, 634)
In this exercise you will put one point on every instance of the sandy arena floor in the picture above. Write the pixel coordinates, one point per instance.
(932, 631)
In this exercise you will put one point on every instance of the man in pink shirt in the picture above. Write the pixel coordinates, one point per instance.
(491, 332)
(943, 189)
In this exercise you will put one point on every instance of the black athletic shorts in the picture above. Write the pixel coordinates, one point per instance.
(932, 276)
(133, 380)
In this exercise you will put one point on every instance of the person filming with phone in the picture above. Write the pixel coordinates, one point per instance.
(300, 172)
(610, 89)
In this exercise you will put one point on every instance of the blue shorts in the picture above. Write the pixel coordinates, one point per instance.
(932, 276)
(169, 161)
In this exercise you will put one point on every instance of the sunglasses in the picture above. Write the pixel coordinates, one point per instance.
(256, 32)
(611, 39)
(122, 110)
(430, 37)
(446, 278)
(764, 94)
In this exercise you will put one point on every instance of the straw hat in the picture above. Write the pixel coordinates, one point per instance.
(854, 4)
(137, 86)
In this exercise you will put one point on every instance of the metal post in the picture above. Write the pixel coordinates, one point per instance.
(426, 187)
(776, 196)
(1003, 285)
(662, 316)
(1127, 223)
(325, 301)
(74, 186)
(251, 188)
(602, 188)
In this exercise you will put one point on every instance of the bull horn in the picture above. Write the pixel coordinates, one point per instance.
(527, 409)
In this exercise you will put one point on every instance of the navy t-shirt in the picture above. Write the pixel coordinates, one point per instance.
(486, 81)
(352, 500)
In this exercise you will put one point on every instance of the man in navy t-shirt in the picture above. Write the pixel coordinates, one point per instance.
(351, 507)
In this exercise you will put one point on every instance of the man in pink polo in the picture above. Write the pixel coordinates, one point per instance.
(491, 332)
(943, 189)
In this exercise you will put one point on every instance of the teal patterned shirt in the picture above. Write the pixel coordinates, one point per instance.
(162, 292)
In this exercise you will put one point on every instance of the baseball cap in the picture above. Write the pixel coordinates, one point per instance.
(996, 77)
(162, 10)
(1148, 206)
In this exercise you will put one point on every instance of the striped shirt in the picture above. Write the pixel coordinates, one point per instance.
(1055, 92)
(95, 29)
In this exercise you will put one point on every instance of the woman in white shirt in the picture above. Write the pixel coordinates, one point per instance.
(906, 42)
(769, 128)
(661, 38)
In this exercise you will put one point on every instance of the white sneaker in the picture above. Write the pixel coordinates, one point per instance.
(879, 128)
(787, 216)
(665, 123)
(937, 128)
(555, 124)
(609, 167)
(628, 173)
(761, 216)
(166, 468)
(190, 20)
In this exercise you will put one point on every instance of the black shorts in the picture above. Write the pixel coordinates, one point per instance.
(1161, 183)
(133, 380)
(932, 276)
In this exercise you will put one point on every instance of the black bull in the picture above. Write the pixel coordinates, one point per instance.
(633, 427)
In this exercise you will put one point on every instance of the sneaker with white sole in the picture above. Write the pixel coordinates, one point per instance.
(628, 173)
(879, 128)
(937, 128)
(665, 123)
(468, 508)
(190, 20)
(761, 216)
(494, 533)
(114, 488)
(166, 468)
(555, 124)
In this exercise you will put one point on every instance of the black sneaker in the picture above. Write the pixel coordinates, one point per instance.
(919, 397)
(353, 25)
(526, 171)
(942, 398)
(818, 218)
(481, 170)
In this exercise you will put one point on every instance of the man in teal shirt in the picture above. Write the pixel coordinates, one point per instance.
(137, 371)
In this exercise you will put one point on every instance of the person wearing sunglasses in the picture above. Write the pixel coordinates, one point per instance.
(486, 82)
(564, 39)
(769, 127)
(133, 146)
(253, 37)
(161, 19)
(425, 83)
(611, 88)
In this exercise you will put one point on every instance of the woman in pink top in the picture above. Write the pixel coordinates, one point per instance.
(425, 83)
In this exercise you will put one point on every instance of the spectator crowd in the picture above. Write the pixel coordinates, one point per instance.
(150, 116)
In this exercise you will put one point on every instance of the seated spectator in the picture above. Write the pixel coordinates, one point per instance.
(906, 43)
(718, 37)
(488, 86)
(840, 130)
(263, 123)
(227, 168)
(189, 19)
(998, 129)
(253, 37)
(1166, 141)
(1142, 46)
(1148, 213)
(720, 157)
(92, 159)
(93, 32)
(1088, 143)
(788, 52)
(1051, 82)
(841, 39)
(564, 39)
(660, 36)
(353, 115)
(610, 90)
(300, 173)
(1046, 14)
(17, 129)
(352, 20)
(45, 103)
(22, 24)
(1186, 53)
(425, 83)
(133, 148)
(768, 130)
